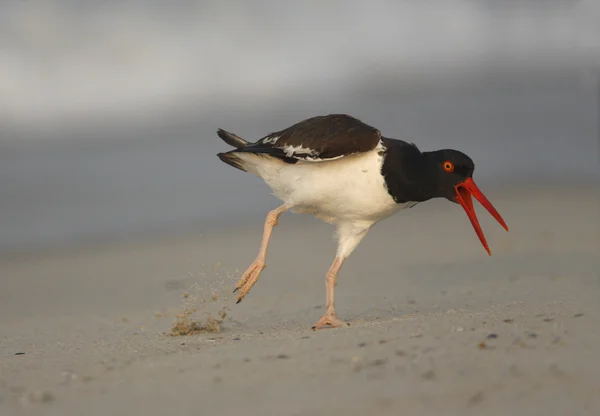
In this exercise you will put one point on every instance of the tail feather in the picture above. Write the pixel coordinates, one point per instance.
(232, 160)
(232, 140)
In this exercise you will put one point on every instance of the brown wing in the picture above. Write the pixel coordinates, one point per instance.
(319, 139)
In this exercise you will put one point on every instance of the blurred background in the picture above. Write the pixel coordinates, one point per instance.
(108, 110)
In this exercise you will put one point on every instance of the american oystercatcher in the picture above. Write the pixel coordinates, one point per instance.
(345, 173)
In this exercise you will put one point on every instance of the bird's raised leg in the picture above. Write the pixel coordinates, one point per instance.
(251, 274)
(330, 317)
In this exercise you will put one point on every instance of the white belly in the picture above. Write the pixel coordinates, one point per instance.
(342, 190)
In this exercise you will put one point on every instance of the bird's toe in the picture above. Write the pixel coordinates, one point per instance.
(329, 320)
(249, 279)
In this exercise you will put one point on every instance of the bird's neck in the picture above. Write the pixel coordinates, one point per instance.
(409, 174)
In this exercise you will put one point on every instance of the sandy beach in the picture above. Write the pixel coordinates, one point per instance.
(122, 234)
(437, 326)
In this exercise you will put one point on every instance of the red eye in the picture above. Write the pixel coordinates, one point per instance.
(448, 166)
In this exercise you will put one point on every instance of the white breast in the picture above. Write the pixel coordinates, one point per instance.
(349, 189)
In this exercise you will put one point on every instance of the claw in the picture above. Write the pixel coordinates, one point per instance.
(249, 278)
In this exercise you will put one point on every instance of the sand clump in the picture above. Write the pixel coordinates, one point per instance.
(203, 304)
(184, 324)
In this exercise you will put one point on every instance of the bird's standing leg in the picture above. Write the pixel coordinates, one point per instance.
(330, 318)
(349, 236)
(251, 274)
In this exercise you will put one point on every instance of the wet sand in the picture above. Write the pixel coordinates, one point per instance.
(437, 326)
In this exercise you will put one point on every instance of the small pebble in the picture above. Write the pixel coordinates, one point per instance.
(47, 397)
(509, 321)
(492, 336)
(429, 375)
(378, 361)
(476, 398)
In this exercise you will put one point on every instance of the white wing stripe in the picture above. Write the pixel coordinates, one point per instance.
(298, 150)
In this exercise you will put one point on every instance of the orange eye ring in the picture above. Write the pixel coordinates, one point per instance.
(448, 166)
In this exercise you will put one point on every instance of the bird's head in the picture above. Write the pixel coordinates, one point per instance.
(453, 171)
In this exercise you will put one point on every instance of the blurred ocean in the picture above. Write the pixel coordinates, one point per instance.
(108, 110)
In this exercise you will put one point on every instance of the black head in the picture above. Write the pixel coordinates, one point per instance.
(414, 176)
(448, 168)
(452, 175)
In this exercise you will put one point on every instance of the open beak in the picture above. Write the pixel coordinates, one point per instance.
(464, 191)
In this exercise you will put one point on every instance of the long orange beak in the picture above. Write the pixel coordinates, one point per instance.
(464, 191)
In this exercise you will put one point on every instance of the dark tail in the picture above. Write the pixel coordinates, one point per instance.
(232, 140)
(232, 160)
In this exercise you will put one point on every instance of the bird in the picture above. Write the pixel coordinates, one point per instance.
(345, 173)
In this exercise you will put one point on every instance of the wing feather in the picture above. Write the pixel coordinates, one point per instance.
(318, 139)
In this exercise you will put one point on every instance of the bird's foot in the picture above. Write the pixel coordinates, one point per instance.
(331, 320)
(249, 278)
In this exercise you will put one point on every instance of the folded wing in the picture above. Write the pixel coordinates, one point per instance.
(318, 139)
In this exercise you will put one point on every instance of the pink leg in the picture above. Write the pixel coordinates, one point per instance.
(251, 274)
(330, 318)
